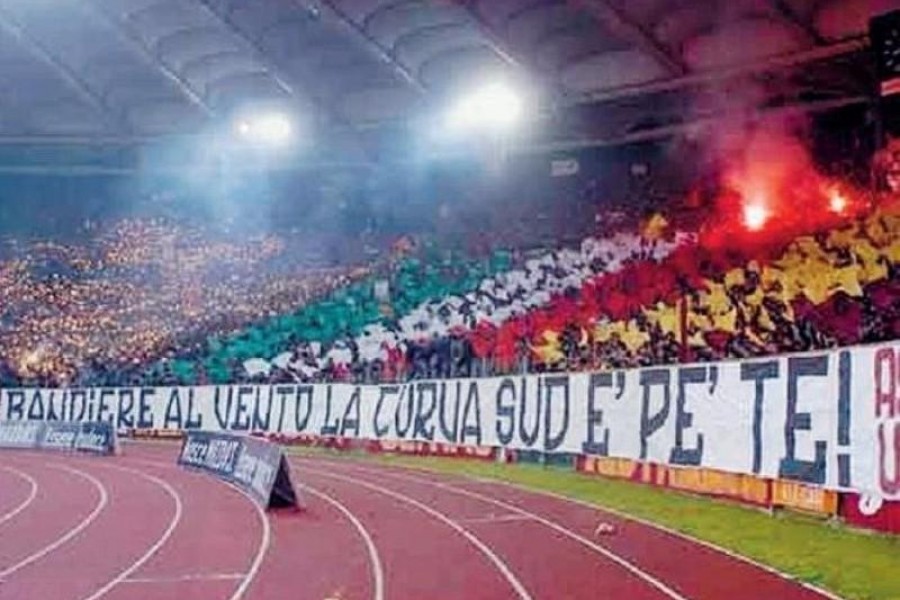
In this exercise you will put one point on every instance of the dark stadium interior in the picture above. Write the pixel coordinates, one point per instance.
(141, 243)
(441, 299)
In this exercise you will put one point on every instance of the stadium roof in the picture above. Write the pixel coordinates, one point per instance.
(606, 70)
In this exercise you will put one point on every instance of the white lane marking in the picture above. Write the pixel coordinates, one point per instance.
(264, 543)
(71, 533)
(265, 539)
(374, 558)
(668, 530)
(464, 479)
(606, 552)
(153, 549)
(32, 494)
(162, 579)
(496, 560)
(674, 533)
(495, 519)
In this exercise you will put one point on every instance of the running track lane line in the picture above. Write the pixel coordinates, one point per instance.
(594, 507)
(374, 558)
(183, 578)
(101, 504)
(605, 552)
(668, 530)
(176, 519)
(25, 503)
(496, 560)
(265, 540)
(463, 478)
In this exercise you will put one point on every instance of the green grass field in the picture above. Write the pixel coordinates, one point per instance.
(847, 562)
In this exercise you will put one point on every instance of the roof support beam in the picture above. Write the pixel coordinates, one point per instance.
(471, 19)
(136, 42)
(258, 53)
(27, 139)
(10, 26)
(494, 40)
(787, 12)
(614, 17)
(693, 126)
(373, 46)
(793, 59)
(131, 171)
(644, 135)
(501, 48)
(274, 70)
(281, 79)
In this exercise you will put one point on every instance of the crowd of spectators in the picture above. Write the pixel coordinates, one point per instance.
(101, 309)
(628, 301)
(439, 335)
(155, 301)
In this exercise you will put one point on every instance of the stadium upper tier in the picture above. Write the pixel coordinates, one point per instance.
(149, 302)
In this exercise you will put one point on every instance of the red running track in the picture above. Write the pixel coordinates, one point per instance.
(138, 527)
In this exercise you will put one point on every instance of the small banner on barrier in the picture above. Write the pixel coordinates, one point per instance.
(100, 438)
(90, 437)
(21, 434)
(807, 498)
(255, 465)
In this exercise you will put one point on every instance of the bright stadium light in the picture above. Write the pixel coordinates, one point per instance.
(492, 107)
(274, 129)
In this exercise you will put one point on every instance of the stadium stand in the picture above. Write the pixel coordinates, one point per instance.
(98, 310)
(215, 311)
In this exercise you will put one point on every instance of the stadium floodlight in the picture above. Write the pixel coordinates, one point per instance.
(493, 107)
(273, 128)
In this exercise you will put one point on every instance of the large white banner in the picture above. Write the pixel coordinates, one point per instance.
(829, 418)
